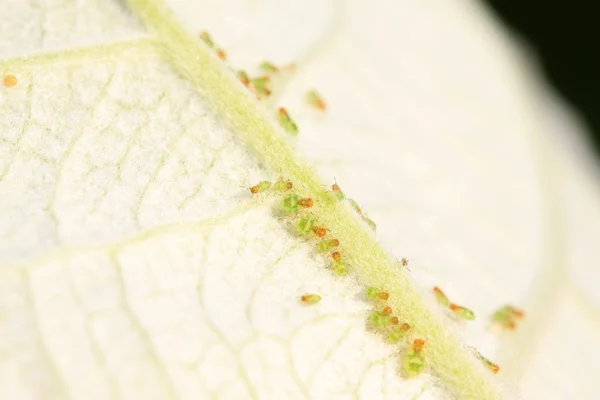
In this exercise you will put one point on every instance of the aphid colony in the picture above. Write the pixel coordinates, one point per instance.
(383, 321)
(305, 225)
(262, 85)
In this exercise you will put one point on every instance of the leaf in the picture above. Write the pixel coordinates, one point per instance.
(134, 265)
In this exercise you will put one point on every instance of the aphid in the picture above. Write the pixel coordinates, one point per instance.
(261, 86)
(462, 312)
(314, 99)
(306, 202)
(339, 269)
(221, 54)
(304, 224)
(326, 245)
(268, 67)
(387, 310)
(310, 299)
(397, 334)
(354, 205)
(506, 316)
(282, 185)
(441, 297)
(286, 122)
(490, 365)
(243, 77)
(376, 294)
(379, 320)
(383, 295)
(292, 202)
(395, 321)
(206, 38)
(260, 187)
(370, 222)
(413, 361)
(319, 231)
(338, 192)
(337, 256)
(10, 80)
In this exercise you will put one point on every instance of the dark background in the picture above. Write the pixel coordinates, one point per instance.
(566, 38)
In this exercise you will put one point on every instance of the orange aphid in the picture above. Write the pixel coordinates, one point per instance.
(405, 327)
(320, 231)
(395, 321)
(337, 256)
(418, 345)
(383, 295)
(334, 243)
(221, 54)
(306, 202)
(10, 80)
(387, 310)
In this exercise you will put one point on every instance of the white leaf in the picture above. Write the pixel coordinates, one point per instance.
(133, 265)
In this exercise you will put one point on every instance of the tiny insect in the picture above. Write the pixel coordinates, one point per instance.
(291, 203)
(282, 185)
(304, 225)
(489, 364)
(286, 122)
(261, 86)
(340, 269)
(221, 54)
(383, 295)
(205, 37)
(387, 310)
(319, 231)
(268, 67)
(338, 192)
(260, 187)
(441, 297)
(310, 299)
(398, 334)
(354, 205)
(395, 321)
(243, 77)
(370, 222)
(404, 262)
(462, 312)
(413, 361)
(314, 99)
(337, 256)
(327, 244)
(379, 320)
(506, 316)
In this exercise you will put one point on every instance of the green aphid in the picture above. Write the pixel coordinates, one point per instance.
(413, 363)
(338, 192)
(205, 37)
(268, 67)
(283, 185)
(339, 268)
(441, 298)
(260, 187)
(354, 205)
(304, 225)
(462, 312)
(379, 319)
(316, 100)
(370, 222)
(310, 299)
(261, 86)
(243, 77)
(291, 203)
(327, 245)
(286, 122)
(398, 334)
